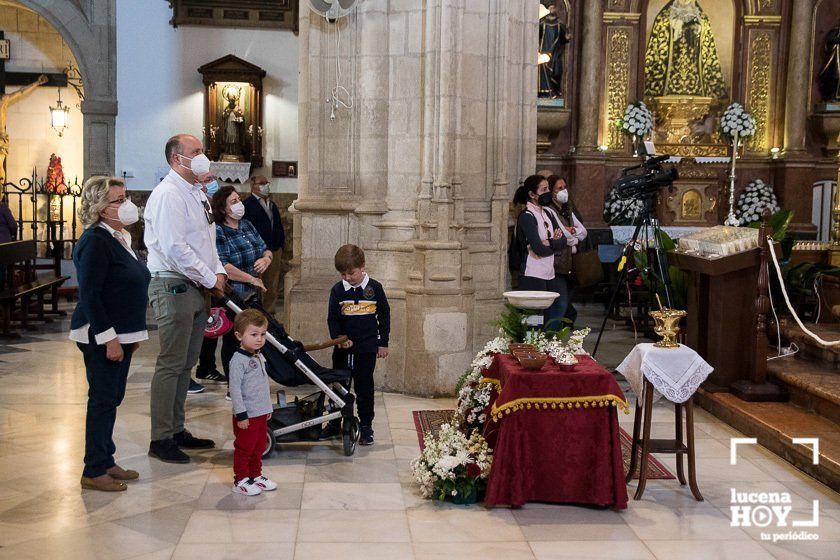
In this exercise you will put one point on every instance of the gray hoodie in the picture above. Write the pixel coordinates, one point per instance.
(249, 391)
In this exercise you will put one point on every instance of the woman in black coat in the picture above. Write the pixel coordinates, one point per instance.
(109, 321)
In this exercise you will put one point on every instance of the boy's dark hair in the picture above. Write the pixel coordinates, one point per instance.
(247, 318)
(349, 257)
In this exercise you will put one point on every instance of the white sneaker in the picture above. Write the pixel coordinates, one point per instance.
(246, 488)
(264, 484)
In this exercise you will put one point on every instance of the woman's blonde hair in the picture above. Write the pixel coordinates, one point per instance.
(95, 198)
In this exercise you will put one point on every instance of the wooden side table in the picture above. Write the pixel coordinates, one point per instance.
(674, 446)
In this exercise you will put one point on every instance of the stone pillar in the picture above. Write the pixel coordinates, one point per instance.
(418, 173)
(591, 76)
(798, 78)
(100, 116)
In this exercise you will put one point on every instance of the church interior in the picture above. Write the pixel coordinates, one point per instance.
(595, 245)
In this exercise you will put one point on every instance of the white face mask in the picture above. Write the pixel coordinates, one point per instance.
(265, 189)
(237, 210)
(128, 213)
(199, 164)
(563, 196)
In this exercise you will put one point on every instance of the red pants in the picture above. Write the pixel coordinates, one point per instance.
(248, 447)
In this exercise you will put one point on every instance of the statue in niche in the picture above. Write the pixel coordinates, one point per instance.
(554, 35)
(231, 124)
(681, 57)
(829, 78)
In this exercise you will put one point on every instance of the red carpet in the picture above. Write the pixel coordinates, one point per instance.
(429, 421)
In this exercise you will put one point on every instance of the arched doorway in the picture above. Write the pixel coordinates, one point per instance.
(89, 29)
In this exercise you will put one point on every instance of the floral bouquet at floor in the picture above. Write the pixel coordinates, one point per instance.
(756, 197)
(453, 465)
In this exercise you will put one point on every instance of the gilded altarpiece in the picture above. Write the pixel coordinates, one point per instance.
(618, 83)
(762, 78)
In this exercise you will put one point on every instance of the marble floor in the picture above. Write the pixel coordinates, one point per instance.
(331, 506)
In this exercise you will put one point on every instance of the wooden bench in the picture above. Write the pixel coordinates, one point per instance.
(17, 261)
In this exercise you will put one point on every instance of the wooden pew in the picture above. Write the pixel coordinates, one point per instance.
(19, 257)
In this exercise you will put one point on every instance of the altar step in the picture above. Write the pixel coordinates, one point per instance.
(810, 349)
(775, 425)
(813, 387)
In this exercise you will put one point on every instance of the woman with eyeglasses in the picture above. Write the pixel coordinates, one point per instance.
(109, 321)
(245, 258)
(540, 237)
(571, 228)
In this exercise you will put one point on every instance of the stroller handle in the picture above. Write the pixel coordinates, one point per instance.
(325, 344)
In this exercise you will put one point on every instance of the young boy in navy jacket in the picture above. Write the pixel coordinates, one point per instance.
(359, 309)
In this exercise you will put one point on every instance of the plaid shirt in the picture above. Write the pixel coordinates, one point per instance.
(240, 247)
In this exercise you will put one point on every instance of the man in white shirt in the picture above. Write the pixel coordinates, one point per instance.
(181, 238)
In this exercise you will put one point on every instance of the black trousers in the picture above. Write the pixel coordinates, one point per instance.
(361, 367)
(106, 389)
(207, 358)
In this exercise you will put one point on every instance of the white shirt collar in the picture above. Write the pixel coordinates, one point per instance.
(180, 181)
(112, 231)
(365, 279)
(124, 233)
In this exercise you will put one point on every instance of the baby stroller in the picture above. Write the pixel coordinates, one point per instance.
(288, 364)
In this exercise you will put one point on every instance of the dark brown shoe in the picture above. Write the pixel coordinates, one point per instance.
(103, 483)
(118, 473)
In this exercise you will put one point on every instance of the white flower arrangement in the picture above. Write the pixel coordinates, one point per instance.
(474, 395)
(572, 347)
(756, 197)
(637, 120)
(452, 464)
(575, 343)
(736, 120)
(621, 212)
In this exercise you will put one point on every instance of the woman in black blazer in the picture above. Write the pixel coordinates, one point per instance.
(109, 321)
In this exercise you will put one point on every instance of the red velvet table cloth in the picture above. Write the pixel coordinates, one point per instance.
(554, 435)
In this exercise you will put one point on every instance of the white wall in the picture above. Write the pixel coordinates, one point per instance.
(36, 46)
(160, 93)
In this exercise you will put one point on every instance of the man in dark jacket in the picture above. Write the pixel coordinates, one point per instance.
(263, 213)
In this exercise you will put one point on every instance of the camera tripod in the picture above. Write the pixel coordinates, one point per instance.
(655, 267)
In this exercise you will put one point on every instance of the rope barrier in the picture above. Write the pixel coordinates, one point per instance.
(787, 299)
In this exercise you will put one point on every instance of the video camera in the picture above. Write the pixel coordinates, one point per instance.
(647, 183)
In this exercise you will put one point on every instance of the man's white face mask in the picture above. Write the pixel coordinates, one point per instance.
(199, 164)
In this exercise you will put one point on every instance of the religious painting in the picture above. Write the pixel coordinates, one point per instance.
(691, 206)
(692, 202)
(284, 169)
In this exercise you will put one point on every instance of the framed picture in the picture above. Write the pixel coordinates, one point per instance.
(284, 169)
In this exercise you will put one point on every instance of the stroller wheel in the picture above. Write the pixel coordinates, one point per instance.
(270, 443)
(350, 435)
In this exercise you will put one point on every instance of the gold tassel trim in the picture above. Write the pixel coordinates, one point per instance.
(492, 381)
(554, 403)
